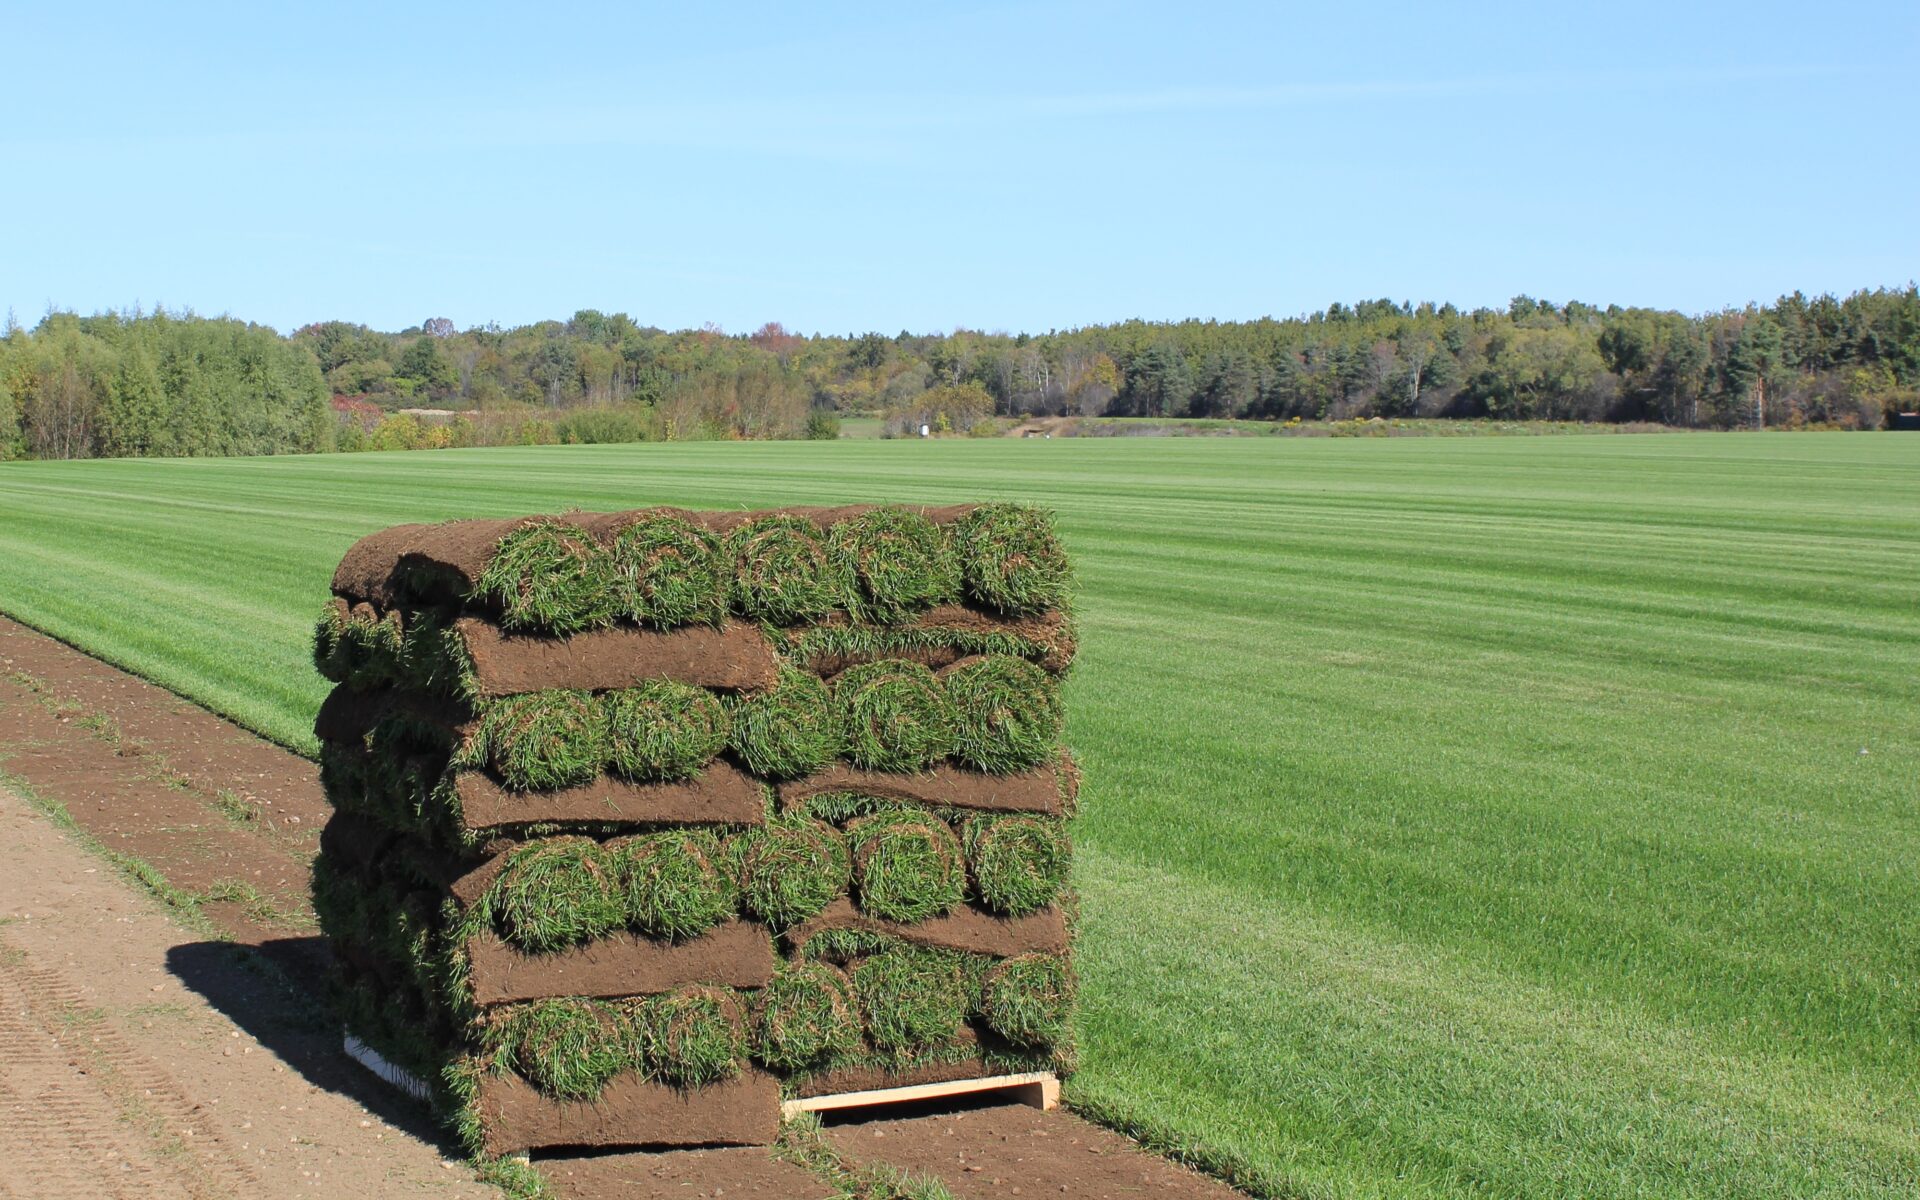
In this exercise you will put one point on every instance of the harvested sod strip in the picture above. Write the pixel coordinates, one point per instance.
(804, 1017)
(663, 730)
(889, 564)
(677, 883)
(907, 866)
(359, 647)
(1019, 863)
(779, 570)
(689, 1037)
(1006, 713)
(910, 998)
(668, 572)
(566, 1047)
(790, 868)
(1010, 559)
(787, 731)
(894, 715)
(541, 741)
(1027, 999)
(551, 577)
(554, 893)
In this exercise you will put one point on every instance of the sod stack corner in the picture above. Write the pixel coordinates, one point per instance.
(645, 822)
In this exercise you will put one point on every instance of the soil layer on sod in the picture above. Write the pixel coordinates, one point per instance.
(734, 657)
(737, 954)
(966, 928)
(630, 1111)
(1046, 790)
(722, 795)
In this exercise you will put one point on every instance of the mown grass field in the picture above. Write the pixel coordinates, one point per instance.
(1480, 817)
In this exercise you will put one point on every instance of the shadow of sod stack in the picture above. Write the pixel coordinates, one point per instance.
(645, 820)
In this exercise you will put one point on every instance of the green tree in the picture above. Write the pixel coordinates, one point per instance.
(423, 369)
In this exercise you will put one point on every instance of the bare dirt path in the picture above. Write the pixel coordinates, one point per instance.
(116, 1079)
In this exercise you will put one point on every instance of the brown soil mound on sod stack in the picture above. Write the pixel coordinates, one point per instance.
(735, 657)
(966, 929)
(723, 795)
(737, 954)
(1046, 790)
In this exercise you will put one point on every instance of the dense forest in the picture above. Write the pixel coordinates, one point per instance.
(131, 383)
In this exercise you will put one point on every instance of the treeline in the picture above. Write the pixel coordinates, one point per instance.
(118, 384)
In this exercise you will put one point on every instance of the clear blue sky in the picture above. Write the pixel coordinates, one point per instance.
(844, 167)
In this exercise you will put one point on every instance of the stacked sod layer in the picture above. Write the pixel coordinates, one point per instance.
(646, 818)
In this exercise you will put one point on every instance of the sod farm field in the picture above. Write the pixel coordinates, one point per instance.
(1479, 817)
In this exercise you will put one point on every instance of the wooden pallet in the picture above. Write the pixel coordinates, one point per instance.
(1037, 1089)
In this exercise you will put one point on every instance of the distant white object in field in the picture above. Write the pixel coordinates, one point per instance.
(925, 432)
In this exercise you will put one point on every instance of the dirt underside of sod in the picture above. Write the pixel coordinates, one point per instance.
(228, 824)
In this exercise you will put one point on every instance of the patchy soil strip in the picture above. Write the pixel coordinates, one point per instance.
(1004, 1150)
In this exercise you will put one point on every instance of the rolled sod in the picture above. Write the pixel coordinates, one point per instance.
(339, 900)
(847, 945)
(910, 998)
(778, 570)
(550, 577)
(557, 893)
(1010, 559)
(893, 715)
(1026, 999)
(434, 657)
(663, 730)
(805, 1016)
(1019, 863)
(330, 655)
(677, 883)
(357, 647)
(567, 1048)
(907, 866)
(890, 564)
(790, 868)
(691, 1036)
(1006, 713)
(543, 740)
(668, 572)
(787, 731)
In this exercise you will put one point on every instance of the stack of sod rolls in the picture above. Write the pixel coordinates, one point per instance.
(646, 820)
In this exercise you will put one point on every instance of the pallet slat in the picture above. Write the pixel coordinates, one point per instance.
(1036, 1089)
